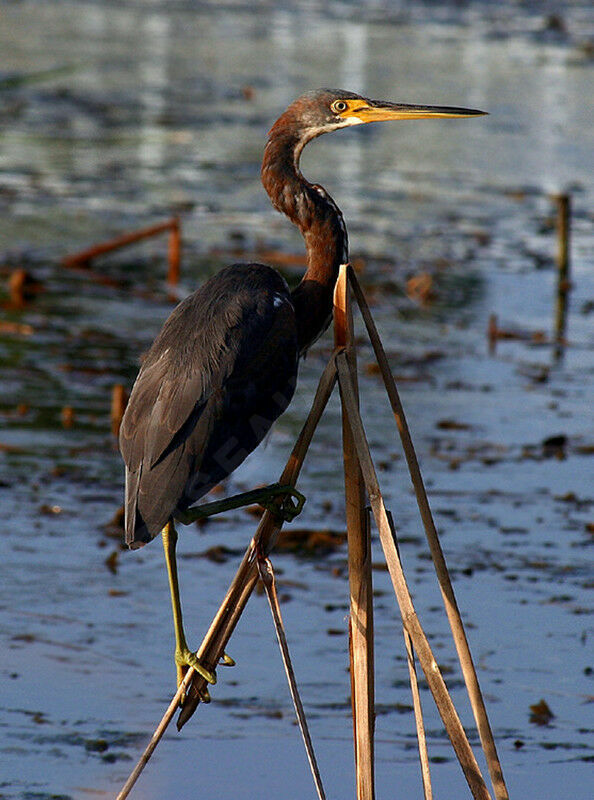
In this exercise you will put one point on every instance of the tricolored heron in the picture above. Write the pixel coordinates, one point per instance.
(224, 365)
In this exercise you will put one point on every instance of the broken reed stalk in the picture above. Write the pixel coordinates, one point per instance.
(421, 738)
(174, 253)
(563, 280)
(416, 695)
(241, 587)
(445, 584)
(119, 399)
(410, 620)
(359, 559)
(267, 576)
(157, 736)
(84, 257)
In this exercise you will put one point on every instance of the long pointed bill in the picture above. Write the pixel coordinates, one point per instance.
(374, 111)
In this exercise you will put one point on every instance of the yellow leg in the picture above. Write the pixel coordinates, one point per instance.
(184, 657)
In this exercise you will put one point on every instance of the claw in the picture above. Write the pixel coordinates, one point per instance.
(227, 661)
(290, 506)
(292, 509)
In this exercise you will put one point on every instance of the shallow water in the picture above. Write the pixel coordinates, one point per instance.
(158, 108)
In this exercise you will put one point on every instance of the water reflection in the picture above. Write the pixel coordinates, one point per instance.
(154, 82)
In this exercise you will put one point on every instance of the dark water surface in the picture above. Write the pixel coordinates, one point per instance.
(116, 115)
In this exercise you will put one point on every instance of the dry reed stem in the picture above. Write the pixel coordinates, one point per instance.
(242, 585)
(414, 688)
(447, 591)
(421, 738)
(267, 575)
(359, 559)
(174, 254)
(411, 622)
(119, 400)
(156, 737)
(83, 257)
(563, 280)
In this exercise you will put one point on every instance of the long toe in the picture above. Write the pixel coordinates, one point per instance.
(188, 659)
(292, 504)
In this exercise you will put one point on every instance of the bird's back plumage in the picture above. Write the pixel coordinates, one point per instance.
(219, 373)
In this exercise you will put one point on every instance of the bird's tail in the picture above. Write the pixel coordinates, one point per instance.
(136, 531)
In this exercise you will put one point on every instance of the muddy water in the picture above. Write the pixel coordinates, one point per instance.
(116, 115)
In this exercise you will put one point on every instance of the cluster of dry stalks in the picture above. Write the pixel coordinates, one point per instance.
(361, 486)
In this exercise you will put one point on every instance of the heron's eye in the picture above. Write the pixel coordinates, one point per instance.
(339, 105)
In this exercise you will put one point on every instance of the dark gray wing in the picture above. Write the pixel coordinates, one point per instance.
(220, 372)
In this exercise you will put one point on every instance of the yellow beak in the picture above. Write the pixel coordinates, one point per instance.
(375, 111)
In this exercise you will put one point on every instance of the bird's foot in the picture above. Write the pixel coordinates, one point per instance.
(185, 658)
(291, 503)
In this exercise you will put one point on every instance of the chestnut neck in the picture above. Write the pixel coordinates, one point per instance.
(320, 221)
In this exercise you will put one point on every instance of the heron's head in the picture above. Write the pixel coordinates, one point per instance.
(325, 110)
